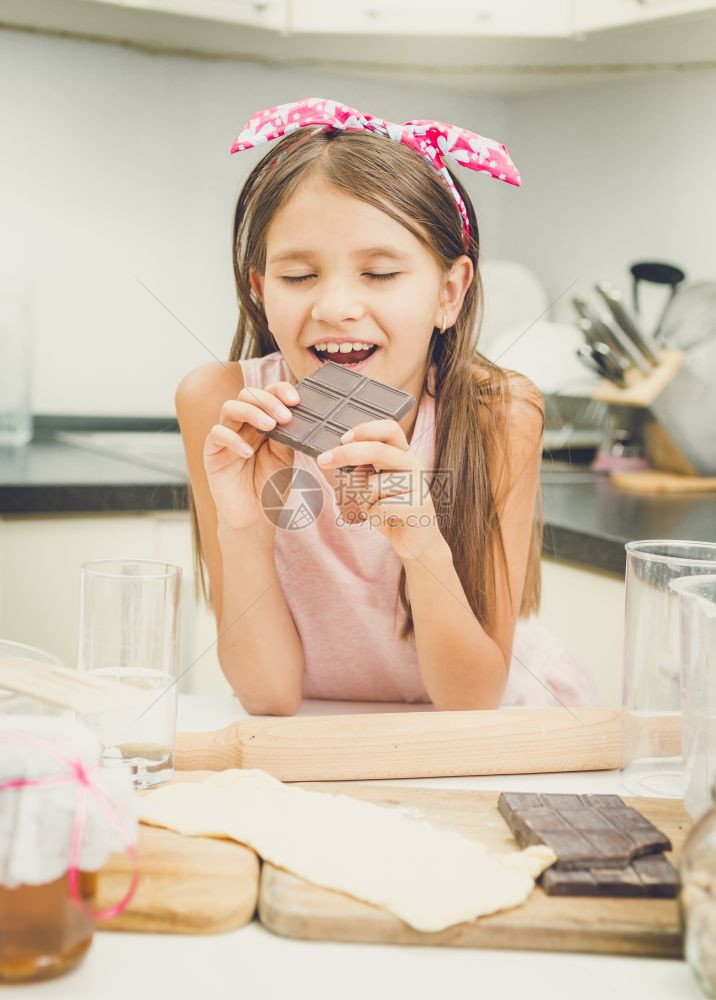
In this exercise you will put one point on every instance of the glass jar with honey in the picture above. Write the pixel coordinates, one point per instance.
(61, 816)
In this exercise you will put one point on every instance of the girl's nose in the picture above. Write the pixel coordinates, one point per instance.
(336, 302)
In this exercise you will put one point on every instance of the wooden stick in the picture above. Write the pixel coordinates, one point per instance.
(59, 685)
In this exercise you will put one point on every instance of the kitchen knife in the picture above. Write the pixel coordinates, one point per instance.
(587, 328)
(425, 744)
(594, 362)
(607, 360)
(603, 329)
(615, 302)
(622, 356)
(584, 354)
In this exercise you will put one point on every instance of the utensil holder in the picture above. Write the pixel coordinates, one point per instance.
(682, 403)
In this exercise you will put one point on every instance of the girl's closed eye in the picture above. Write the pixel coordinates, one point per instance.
(293, 278)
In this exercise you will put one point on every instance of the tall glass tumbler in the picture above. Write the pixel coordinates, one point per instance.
(652, 762)
(697, 639)
(129, 625)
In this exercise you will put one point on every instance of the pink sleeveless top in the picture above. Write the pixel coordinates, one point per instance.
(340, 582)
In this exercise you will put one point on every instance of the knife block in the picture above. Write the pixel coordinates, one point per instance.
(641, 390)
(679, 405)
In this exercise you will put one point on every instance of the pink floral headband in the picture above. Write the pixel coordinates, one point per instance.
(435, 141)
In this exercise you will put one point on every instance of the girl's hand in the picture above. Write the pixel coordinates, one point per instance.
(239, 458)
(395, 499)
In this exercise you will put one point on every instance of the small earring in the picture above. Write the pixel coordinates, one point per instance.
(443, 328)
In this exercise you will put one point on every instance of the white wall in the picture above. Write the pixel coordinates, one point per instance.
(116, 164)
(613, 174)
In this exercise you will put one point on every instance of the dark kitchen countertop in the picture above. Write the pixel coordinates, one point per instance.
(49, 476)
(587, 520)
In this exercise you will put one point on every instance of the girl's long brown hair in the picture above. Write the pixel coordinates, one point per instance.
(471, 393)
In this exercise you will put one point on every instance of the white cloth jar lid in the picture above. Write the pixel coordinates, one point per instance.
(37, 821)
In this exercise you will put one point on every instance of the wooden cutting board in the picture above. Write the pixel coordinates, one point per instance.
(295, 908)
(187, 885)
(651, 481)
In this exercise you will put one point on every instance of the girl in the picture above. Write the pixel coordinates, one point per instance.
(348, 246)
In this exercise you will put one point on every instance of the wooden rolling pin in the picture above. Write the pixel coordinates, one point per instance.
(422, 744)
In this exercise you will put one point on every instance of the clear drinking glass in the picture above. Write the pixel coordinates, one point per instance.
(12, 703)
(16, 345)
(652, 762)
(697, 642)
(129, 624)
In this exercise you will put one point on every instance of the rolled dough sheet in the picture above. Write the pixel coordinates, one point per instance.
(427, 875)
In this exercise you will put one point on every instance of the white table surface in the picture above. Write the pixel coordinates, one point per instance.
(254, 963)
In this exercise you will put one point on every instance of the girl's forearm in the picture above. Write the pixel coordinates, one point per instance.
(461, 666)
(259, 649)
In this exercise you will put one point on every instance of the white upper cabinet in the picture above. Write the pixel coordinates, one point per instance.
(252, 13)
(497, 18)
(457, 18)
(498, 46)
(596, 15)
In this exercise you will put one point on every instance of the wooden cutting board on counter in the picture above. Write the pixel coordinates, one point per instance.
(187, 885)
(653, 481)
(295, 908)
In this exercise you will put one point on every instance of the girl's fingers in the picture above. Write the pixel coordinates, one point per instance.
(220, 437)
(391, 484)
(276, 399)
(256, 407)
(285, 391)
(382, 437)
(265, 401)
(375, 453)
(387, 431)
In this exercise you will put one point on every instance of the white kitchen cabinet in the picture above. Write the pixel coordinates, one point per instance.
(198, 656)
(599, 15)
(501, 18)
(40, 559)
(494, 46)
(585, 609)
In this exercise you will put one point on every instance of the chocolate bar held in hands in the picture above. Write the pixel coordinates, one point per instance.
(334, 399)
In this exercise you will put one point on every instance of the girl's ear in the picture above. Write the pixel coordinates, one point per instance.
(257, 284)
(455, 286)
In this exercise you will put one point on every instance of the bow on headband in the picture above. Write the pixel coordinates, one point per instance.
(435, 141)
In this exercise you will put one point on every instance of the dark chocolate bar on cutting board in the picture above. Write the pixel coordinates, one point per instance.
(603, 846)
(334, 399)
(652, 875)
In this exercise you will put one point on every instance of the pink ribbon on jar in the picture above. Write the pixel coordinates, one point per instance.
(81, 774)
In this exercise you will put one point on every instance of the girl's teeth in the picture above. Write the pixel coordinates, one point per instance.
(363, 351)
(346, 348)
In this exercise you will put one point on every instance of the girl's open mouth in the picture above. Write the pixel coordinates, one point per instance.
(352, 359)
